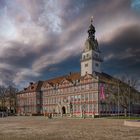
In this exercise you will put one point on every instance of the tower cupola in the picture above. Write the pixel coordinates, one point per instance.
(91, 31)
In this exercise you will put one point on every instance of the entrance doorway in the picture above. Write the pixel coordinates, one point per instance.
(63, 110)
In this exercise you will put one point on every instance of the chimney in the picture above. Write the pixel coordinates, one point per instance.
(31, 83)
(25, 89)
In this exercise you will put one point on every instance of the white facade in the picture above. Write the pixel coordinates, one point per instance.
(90, 62)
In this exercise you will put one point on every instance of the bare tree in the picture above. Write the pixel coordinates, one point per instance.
(128, 94)
(8, 98)
(11, 97)
(122, 93)
(2, 97)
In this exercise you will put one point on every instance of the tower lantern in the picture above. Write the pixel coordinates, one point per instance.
(91, 31)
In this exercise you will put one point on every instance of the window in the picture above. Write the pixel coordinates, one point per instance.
(96, 64)
(95, 107)
(72, 98)
(54, 100)
(87, 86)
(59, 100)
(86, 65)
(75, 88)
(90, 86)
(38, 101)
(96, 55)
(90, 107)
(79, 88)
(86, 107)
(78, 108)
(86, 96)
(94, 96)
(74, 106)
(82, 87)
(82, 97)
(75, 99)
(90, 97)
(79, 97)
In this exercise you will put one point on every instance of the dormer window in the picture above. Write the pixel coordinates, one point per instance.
(31, 83)
(25, 89)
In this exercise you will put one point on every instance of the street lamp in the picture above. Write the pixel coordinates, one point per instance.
(129, 98)
(118, 99)
(83, 110)
(71, 109)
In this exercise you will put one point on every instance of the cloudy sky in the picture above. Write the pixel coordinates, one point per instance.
(41, 39)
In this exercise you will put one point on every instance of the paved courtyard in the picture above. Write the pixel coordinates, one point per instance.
(39, 128)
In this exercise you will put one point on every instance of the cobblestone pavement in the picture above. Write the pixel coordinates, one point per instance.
(40, 128)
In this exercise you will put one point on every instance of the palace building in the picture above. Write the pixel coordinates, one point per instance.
(89, 92)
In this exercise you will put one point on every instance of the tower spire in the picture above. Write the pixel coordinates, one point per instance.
(91, 30)
(91, 19)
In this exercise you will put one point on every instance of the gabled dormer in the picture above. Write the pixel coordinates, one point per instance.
(65, 83)
(46, 85)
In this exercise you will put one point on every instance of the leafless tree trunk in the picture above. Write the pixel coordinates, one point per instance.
(2, 96)
(122, 92)
(8, 97)
(128, 93)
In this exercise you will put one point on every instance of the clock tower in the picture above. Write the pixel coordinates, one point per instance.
(91, 60)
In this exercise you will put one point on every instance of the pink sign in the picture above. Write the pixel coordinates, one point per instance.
(102, 93)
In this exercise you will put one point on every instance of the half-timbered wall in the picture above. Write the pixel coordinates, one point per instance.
(82, 95)
(28, 103)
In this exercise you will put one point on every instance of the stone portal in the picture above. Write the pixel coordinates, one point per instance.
(63, 110)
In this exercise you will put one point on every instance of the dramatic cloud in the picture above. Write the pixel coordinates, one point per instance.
(121, 54)
(40, 39)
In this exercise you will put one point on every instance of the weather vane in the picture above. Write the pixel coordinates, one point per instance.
(91, 20)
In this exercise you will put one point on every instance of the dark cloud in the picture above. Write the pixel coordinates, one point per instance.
(18, 55)
(122, 52)
(71, 64)
(47, 37)
(7, 76)
(2, 3)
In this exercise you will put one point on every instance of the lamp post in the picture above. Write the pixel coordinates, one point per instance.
(129, 98)
(71, 109)
(118, 99)
(83, 110)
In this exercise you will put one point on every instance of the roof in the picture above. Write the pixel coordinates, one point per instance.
(57, 80)
(32, 87)
(104, 77)
(70, 77)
